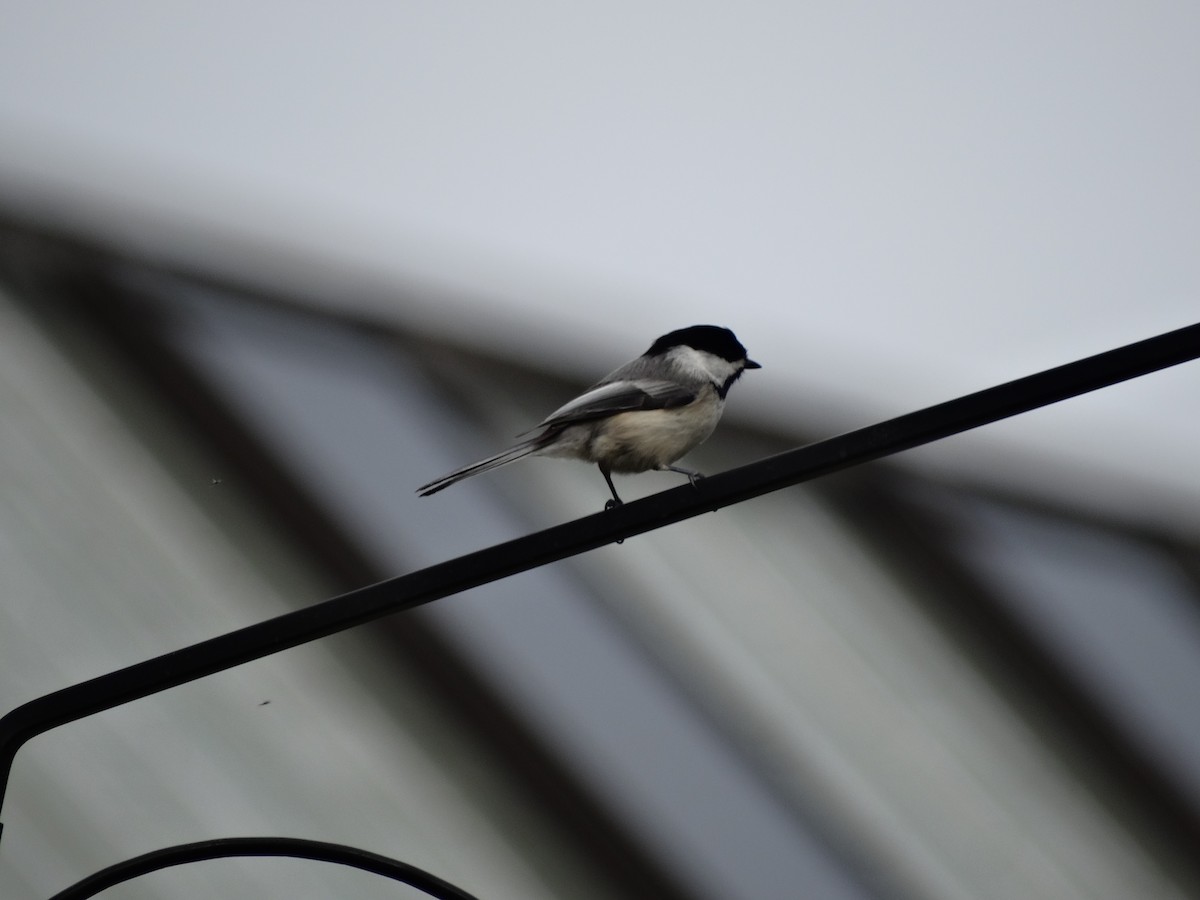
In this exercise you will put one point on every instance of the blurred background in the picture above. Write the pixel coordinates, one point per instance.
(266, 268)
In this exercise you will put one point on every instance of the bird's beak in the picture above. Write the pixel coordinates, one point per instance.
(751, 364)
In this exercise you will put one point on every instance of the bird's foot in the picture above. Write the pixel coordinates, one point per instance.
(613, 504)
(692, 475)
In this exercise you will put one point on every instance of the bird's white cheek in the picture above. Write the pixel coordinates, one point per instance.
(699, 364)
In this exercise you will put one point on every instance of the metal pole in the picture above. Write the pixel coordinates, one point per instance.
(297, 848)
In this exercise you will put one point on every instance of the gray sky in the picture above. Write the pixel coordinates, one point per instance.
(891, 205)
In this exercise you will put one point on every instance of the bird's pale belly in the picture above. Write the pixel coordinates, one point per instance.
(650, 439)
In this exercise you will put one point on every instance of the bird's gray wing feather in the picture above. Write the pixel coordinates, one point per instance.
(610, 398)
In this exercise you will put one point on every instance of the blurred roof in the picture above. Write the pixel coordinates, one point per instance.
(890, 210)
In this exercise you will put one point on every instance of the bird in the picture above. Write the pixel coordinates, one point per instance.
(642, 416)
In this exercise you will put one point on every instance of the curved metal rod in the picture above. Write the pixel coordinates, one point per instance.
(577, 536)
(263, 846)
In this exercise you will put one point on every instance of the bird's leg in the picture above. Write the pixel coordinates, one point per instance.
(615, 501)
(692, 474)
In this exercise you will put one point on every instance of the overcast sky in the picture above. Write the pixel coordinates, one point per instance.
(892, 205)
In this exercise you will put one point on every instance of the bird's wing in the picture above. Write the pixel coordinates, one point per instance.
(619, 396)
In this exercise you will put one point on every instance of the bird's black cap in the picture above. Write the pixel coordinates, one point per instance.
(711, 338)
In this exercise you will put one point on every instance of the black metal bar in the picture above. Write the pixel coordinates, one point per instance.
(577, 536)
(297, 848)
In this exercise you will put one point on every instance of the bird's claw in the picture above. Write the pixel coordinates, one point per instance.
(613, 504)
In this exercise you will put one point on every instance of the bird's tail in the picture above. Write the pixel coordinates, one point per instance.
(512, 454)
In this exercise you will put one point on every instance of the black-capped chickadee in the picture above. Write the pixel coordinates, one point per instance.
(643, 416)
